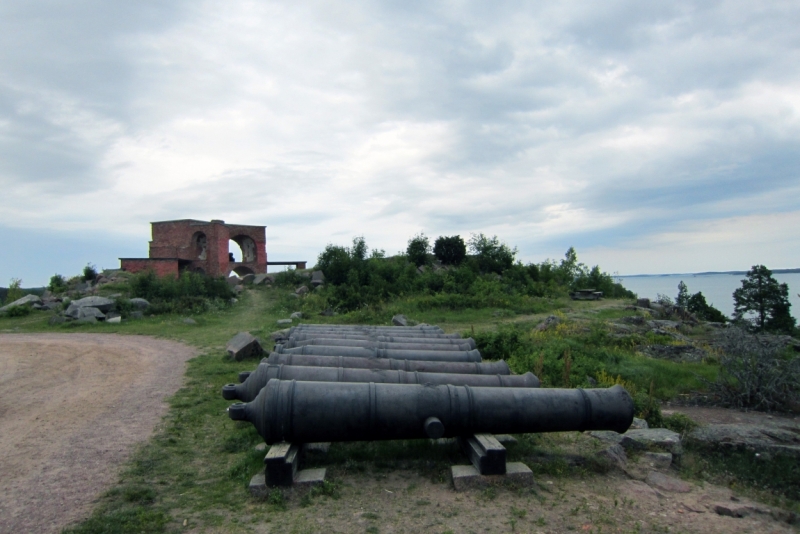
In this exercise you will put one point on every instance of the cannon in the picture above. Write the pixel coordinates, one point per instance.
(310, 360)
(265, 372)
(291, 343)
(308, 412)
(300, 340)
(414, 330)
(360, 352)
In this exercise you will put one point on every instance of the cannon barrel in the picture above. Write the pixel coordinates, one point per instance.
(477, 368)
(308, 334)
(291, 343)
(301, 340)
(414, 330)
(265, 372)
(360, 352)
(308, 412)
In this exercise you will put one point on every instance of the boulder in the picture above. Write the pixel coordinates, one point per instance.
(233, 281)
(39, 307)
(248, 279)
(296, 315)
(56, 319)
(317, 278)
(87, 311)
(639, 423)
(238, 289)
(27, 300)
(657, 460)
(89, 319)
(137, 315)
(643, 303)
(101, 303)
(243, 345)
(400, 320)
(139, 304)
(548, 323)
(302, 290)
(263, 279)
(649, 438)
(615, 455)
(279, 334)
(189, 321)
(114, 320)
(284, 321)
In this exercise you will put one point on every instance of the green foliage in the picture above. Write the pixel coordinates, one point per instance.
(58, 284)
(682, 299)
(697, 305)
(418, 250)
(18, 311)
(14, 291)
(679, 423)
(450, 250)
(763, 296)
(189, 293)
(491, 254)
(89, 273)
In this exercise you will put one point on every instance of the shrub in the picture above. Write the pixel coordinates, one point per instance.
(492, 255)
(58, 284)
(14, 291)
(18, 311)
(418, 250)
(450, 250)
(89, 273)
(756, 372)
(189, 293)
(697, 305)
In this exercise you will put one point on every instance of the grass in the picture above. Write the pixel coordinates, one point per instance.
(197, 466)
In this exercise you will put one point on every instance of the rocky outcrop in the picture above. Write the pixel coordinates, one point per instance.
(27, 300)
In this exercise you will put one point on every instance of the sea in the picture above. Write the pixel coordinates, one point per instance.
(716, 288)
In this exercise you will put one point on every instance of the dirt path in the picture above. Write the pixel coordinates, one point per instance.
(71, 408)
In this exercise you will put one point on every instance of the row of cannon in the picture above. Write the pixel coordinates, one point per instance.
(356, 383)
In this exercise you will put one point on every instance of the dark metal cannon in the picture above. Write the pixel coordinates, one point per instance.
(300, 340)
(475, 368)
(266, 372)
(360, 352)
(332, 342)
(308, 412)
(414, 330)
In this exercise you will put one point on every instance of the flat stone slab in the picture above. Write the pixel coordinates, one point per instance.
(258, 486)
(666, 483)
(647, 438)
(101, 303)
(771, 439)
(657, 460)
(467, 477)
(310, 477)
(27, 300)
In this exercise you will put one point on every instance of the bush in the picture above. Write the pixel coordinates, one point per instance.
(189, 293)
(450, 250)
(18, 311)
(492, 255)
(89, 273)
(14, 291)
(58, 284)
(418, 250)
(697, 305)
(756, 372)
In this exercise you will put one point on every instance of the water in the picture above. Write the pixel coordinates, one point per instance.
(716, 288)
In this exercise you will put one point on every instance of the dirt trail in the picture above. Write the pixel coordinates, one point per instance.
(71, 408)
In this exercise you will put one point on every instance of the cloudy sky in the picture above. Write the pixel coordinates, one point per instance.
(653, 136)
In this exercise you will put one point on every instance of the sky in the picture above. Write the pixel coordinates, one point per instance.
(654, 137)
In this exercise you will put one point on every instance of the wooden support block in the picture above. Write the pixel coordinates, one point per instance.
(485, 452)
(467, 477)
(281, 464)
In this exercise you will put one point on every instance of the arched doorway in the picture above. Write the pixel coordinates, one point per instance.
(242, 249)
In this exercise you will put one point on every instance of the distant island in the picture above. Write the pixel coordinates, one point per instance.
(708, 273)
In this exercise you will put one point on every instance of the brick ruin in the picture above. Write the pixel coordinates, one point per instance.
(202, 247)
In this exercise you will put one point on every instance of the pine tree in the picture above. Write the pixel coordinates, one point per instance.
(762, 295)
(683, 295)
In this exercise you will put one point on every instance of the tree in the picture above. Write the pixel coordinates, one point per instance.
(89, 273)
(450, 250)
(763, 296)
(697, 305)
(682, 299)
(14, 291)
(493, 256)
(418, 249)
(57, 284)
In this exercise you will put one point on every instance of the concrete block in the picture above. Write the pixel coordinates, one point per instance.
(258, 486)
(467, 477)
(310, 477)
